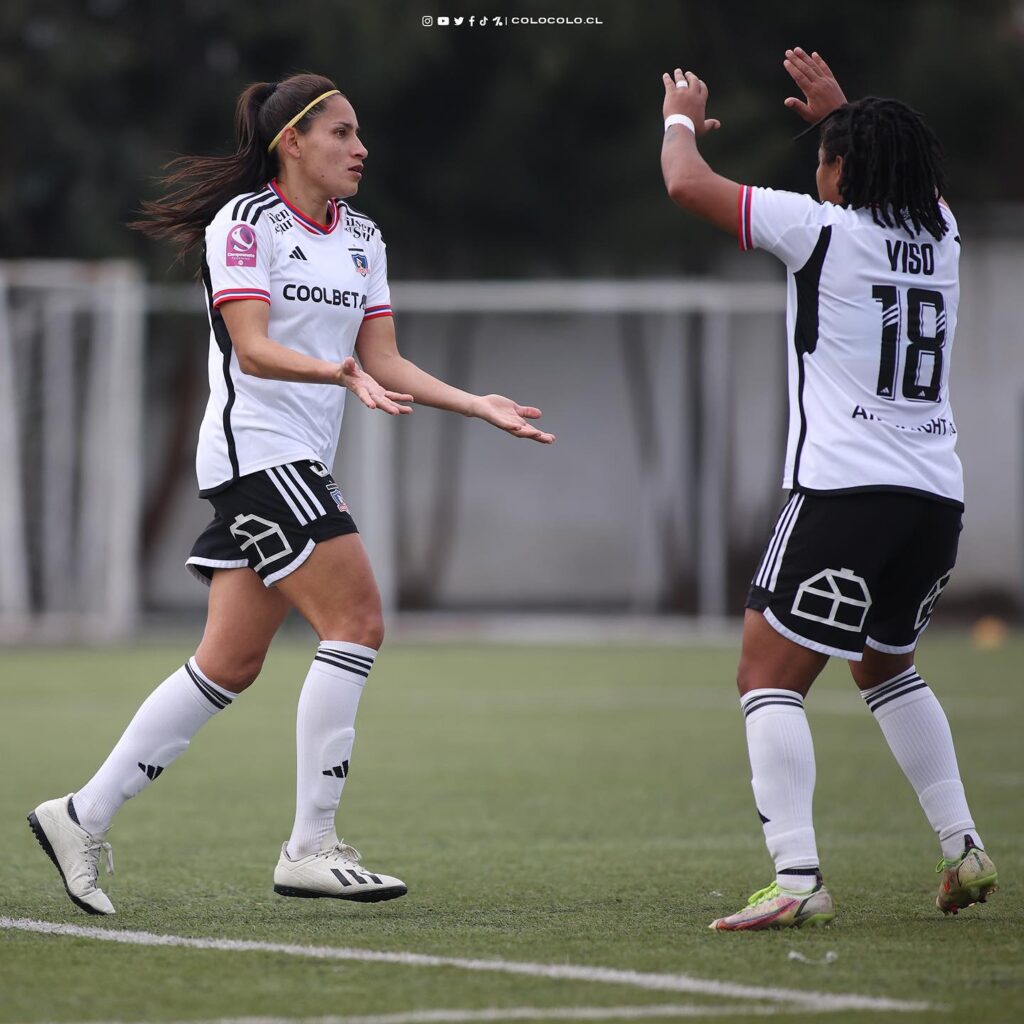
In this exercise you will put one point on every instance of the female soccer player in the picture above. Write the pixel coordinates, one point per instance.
(296, 280)
(867, 540)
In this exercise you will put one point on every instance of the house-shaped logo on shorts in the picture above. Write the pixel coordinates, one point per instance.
(267, 538)
(927, 606)
(836, 597)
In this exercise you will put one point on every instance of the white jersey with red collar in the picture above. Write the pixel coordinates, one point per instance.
(870, 319)
(321, 282)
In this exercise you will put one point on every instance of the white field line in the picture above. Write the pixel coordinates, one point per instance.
(690, 1010)
(565, 972)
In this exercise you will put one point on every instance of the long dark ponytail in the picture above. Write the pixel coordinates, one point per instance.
(198, 186)
(892, 163)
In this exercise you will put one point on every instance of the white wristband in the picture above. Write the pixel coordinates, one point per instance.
(679, 119)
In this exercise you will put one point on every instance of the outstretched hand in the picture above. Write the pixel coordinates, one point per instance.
(815, 80)
(352, 376)
(509, 416)
(687, 94)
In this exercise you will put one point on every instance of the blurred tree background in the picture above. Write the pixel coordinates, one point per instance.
(498, 152)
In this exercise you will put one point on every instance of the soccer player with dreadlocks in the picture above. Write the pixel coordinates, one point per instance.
(867, 540)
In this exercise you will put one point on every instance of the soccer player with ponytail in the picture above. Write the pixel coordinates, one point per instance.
(867, 540)
(296, 286)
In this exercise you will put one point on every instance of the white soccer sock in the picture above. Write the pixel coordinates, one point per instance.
(324, 734)
(916, 729)
(782, 769)
(161, 729)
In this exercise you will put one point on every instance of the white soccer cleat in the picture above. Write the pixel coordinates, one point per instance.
(75, 852)
(335, 872)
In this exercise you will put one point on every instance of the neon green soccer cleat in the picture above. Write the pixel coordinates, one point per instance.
(774, 907)
(971, 878)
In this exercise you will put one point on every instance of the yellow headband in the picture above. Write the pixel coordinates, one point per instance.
(298, 117)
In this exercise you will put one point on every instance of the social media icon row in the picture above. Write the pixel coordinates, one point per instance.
(444, 20)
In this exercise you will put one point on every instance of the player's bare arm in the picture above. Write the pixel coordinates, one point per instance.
(261, 356)
(690, 182)
(377, 348)
(814, 78)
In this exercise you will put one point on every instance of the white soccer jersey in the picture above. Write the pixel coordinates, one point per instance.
(870, 317)
(321, 282)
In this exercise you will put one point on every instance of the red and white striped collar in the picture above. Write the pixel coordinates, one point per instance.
(312, 226)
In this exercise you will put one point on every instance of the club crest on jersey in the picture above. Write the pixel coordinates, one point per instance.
(335, 491)
(241, 247)
(361, 262)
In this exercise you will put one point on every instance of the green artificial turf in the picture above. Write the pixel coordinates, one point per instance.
(552, 805)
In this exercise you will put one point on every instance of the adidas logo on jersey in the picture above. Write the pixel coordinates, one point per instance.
(297, 254)
(339, 771)
(151, 770)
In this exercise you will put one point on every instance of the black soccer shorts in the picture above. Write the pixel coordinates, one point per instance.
(844, 571)
(270, 522)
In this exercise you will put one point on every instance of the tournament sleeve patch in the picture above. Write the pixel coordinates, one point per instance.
(241, 247)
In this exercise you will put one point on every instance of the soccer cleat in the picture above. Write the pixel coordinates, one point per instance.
(970, 878)
(335, 872)
(75, 852)
(774, 907)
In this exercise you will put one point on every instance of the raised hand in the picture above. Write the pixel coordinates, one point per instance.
(352, 376)
(509, 416)
(687, 94)
(815, 80)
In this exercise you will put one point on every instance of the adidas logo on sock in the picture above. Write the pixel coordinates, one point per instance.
(152, 770)
(297, 254)
(339, 771)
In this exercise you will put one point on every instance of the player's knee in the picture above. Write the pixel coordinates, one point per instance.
(370, 630)
(876, 668)
(364, 627)
(239, 673)
(748, 675)
(247, 671)
(764, 674)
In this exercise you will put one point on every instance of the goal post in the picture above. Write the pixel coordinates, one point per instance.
(71, 371)
(74, 436)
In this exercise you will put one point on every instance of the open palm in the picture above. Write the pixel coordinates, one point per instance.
(510, 416)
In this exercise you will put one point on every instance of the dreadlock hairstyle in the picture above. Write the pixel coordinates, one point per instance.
(892, 163)
(198, 186)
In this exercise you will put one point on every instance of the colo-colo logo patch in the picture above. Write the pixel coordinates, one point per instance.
(328, 296)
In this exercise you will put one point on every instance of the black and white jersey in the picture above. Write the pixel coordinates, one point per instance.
(321, 282)
(871, 315)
